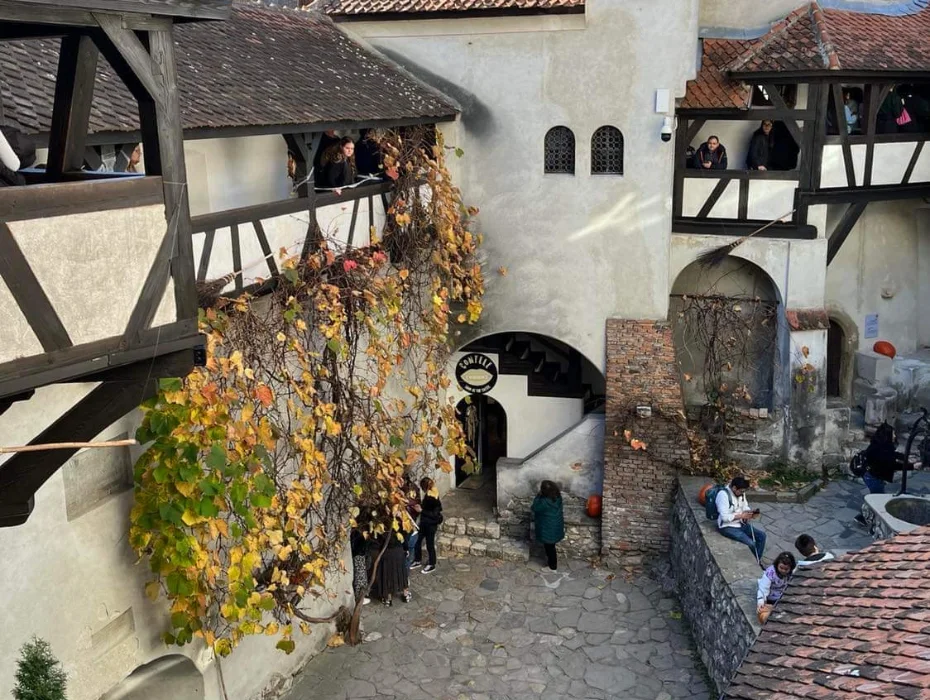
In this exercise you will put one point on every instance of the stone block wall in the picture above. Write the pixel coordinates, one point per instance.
(639, 484)
(716, 581)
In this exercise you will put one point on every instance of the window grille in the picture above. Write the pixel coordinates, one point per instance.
(607, 151)
(560, 150)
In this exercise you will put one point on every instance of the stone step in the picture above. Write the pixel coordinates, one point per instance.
(501, 548)
(475, 528)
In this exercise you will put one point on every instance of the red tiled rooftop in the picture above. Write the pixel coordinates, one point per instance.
(856, 627)
(811, 39)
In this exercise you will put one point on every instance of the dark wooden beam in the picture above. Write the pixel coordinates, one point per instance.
(27, 373)
(135, 54)
(260, 212)
(807, 160)
(821, 96)
(23, 474)
(743, 205)
(844, 134)
(351, 236)
(29, 295)
(912, 163)
(693, 129)
(875, 193)
(871, 116)
(779, 103)
(712, 198)
(59, 12)
(861, 139)
(755, 114)
(236, 257)
(153, 290)
(734, 227)
(174, 172)
(61, 199)
(174, 364)
(205, 256)
(74, 94)
(843, 227)
(266, 248)
(743, 174)
(92, 158)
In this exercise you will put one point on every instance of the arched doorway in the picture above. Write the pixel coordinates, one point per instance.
(836, 344)
(484, 422)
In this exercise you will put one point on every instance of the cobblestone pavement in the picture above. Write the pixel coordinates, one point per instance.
(827, 516)
(481, 629)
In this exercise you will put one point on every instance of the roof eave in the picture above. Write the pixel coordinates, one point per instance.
(825, 75)
(480, 13)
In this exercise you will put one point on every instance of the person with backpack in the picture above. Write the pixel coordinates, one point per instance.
(880, 461)
(729, 506)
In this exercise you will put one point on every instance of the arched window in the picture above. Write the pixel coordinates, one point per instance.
(607, 151)
(560, 150)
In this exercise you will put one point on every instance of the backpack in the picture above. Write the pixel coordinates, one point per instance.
(710, 502)
(857, 465)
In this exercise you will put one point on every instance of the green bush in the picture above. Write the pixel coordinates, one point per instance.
(39, 675)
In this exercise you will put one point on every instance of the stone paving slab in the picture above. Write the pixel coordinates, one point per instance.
(828, 516)
(515, 632)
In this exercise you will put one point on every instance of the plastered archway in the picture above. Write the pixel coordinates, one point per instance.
(172, 677)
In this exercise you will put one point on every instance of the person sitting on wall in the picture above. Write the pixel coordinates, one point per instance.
(773, 583)
(735, 514)
(811, 555)
(711, 155)
(340, 170)
(760, 147)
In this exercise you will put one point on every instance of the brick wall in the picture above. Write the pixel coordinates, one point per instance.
(639, 484)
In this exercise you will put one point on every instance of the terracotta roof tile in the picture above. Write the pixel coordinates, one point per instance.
(812, 39)
(261, 67)
(855, 627)
(375, 7)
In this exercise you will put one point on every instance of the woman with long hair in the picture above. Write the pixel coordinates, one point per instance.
(550, 521)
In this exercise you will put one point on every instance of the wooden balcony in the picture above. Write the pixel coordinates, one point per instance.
(248, 240)
(88, 271)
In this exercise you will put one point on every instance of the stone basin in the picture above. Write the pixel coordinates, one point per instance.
(889, 515)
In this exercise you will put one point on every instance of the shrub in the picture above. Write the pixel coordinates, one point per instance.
(39, 675)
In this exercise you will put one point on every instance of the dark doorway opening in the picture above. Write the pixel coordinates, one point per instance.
(836, 341)
(484, 422)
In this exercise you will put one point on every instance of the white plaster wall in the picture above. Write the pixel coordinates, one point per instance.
(882, 257)
(889, 164)
(744, 14)
(923, 276)
(65, 581)
(598, 244)
(531, 420)
(236, 172)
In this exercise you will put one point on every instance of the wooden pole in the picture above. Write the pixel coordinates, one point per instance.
(67, 446)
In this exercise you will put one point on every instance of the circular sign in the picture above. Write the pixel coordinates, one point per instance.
(476, 373)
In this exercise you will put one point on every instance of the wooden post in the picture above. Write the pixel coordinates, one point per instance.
(74, 93)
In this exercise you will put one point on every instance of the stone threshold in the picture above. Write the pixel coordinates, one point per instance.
(801, 495)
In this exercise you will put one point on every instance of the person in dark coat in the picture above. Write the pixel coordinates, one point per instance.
(783, 154)
(392, 577)
(359, 545)
(760, 147)
(550, 521)
(340, 170)
(430, 520)
(711, 155)
(329, 144)
(882, 460)
(368, 158)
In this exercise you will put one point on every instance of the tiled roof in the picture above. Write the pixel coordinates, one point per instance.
(381, 7)
(855, 627)
(262, 67)
(812, 39)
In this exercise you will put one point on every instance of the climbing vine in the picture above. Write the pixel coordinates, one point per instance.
(317, 398)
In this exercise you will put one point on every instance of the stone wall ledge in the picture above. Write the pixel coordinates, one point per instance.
(716, 580)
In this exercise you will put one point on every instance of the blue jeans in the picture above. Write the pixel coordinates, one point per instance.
(875, 485)
(745, 534)
(411, 549)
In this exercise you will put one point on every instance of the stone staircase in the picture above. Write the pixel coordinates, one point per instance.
(480, 538)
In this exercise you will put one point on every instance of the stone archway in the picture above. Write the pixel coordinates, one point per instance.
(843, 334)
(172, 677)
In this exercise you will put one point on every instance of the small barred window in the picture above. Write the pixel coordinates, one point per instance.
(607, 151)
(560, 150)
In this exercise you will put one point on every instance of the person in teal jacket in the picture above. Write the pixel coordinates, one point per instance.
(550, 522)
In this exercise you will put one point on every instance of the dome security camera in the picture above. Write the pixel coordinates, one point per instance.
(667, 128)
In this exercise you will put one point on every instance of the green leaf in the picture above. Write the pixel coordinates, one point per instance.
(286, 645)
(208, 508)
(160, 474)
(217, 458)
(179, 620)
(334, 345)
(459, 153)
(267, 603)
(260, 500)
(170, 384)
(396, 441)
(190, 472)
(208, 488)
(173, 583)
(168, 638)
(290, 274)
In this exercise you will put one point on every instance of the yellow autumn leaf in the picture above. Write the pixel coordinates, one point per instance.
(152, 589)
(185, 488)
(191, 518)
(404, 274)
(502, 271)
(335, 641)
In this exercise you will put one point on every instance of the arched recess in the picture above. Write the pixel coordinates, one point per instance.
(559, 147)
(842, 343)
(171, 677)
(728, 333)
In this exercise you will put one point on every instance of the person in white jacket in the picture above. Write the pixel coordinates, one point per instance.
(735, 514)
(810, 553)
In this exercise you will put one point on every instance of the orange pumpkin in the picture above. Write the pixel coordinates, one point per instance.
(594, 506)
(702, 494)
(883, 347)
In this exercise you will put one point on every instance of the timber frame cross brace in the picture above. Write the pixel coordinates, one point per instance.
(843, 228)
